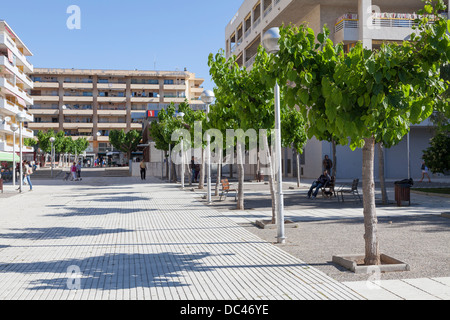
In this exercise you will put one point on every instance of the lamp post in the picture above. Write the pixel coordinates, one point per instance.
(270, 43)
(208, 97)
(21, 118)
(14, 128)
(52, 140)
(181, 115)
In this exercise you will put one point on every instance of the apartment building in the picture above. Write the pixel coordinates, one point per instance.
(370, 21)
(15, 85)
(91, 103)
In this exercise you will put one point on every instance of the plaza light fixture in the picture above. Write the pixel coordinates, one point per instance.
(14, 127)
(52, 140)
(207, 97)
(181, 115)
(270, 43)
(21, 117)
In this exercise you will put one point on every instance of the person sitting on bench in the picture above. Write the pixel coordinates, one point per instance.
(322, 181)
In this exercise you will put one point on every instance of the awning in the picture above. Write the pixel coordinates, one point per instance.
(8, 157)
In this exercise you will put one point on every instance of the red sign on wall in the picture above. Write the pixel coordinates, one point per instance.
(152, 113)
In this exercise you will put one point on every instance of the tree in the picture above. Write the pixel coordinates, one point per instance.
(437, 156)
(30, 142)
(125, 142)
(365, 97)
(249, 95)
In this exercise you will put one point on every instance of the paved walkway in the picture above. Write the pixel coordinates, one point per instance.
(141, 241)
(117, 238)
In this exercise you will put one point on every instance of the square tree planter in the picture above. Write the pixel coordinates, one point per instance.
(355, 263)
(267, 224)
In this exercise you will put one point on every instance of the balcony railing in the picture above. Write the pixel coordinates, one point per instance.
(381, 20)
(248, 32)
(268, 10)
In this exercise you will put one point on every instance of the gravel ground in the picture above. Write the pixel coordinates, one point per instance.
(420, 241)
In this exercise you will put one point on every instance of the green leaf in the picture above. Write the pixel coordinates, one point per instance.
(361, 101)
(378, 76)
(304, 96)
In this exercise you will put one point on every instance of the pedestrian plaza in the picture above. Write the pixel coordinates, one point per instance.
(116, 238)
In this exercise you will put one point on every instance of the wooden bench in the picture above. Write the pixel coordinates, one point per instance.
(350, 189)
(226, 188)
(328, 190)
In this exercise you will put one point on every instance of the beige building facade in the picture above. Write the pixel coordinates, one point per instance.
(349, 21)
(15, 85)
(91, 103)
(370, 21)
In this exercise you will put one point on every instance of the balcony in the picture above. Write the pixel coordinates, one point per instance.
(22, 77)
(13, 109)
(175, 87)
(174, 99)
(102, 86)
(112, 99)
(43, 125)
(44, 112)
(78, 112)
(46, 98)
(21, 59)
(144, 100)
(78, 85)
(78, 98)
(107, 125)
(112, 112)
(15, 90)
(9, 108)
(137, 86)
(77, 125)
(6, 128)
(385, 26)
(8, 147)
(346, 28)
(45, 85)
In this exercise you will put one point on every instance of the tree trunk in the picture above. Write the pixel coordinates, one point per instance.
(384, 197)
(219, 175)
(167, 164)
(201, 181)
(271, 176)
(334, 169)
(240, 164)
(298, 169)
(372, 255)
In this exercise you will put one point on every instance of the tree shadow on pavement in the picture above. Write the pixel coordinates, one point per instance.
(93, 211)
(57, 233)
(115, 271)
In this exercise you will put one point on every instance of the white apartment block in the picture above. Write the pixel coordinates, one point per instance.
(370, 21)
(15, 85)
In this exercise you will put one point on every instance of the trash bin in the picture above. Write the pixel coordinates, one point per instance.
(403, 191)
(1, 185)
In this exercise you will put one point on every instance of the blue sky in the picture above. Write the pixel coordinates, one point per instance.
(120, 34)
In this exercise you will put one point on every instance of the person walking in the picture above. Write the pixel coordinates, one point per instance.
(425, 172)
(143, 167)
(79, 170)
(73, 170)
(27, 172)
(192, 167)
(322, 181)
